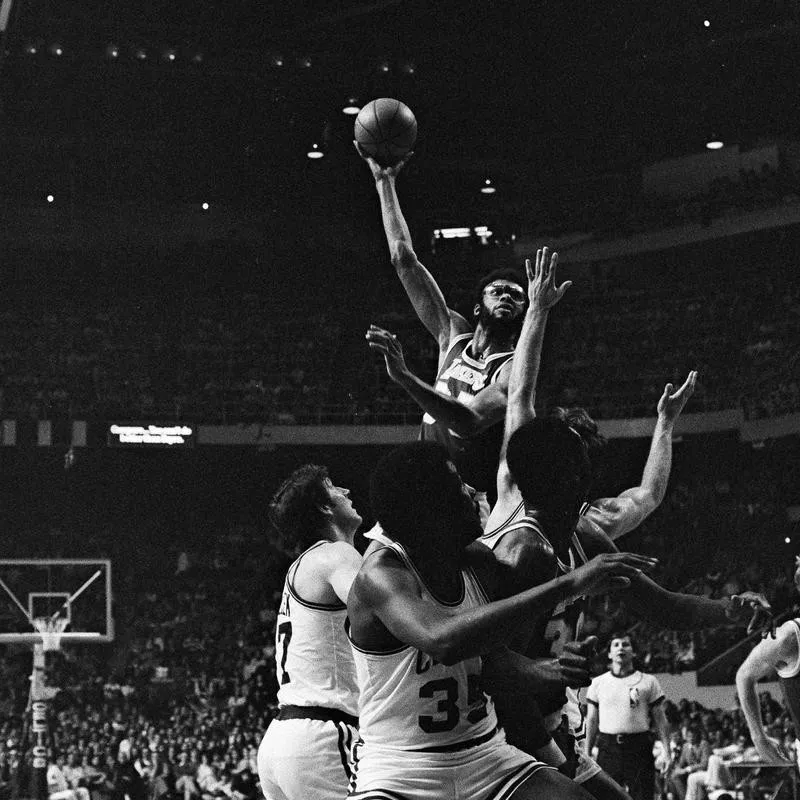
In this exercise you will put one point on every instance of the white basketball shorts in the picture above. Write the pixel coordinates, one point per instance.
(306, 759)
(491, 770)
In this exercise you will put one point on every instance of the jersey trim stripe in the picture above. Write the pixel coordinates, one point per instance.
(398, 548)
(579, 547)
(366, 652)
(456, 340)
(792, 670)
(474, 362)
(294, 593)
(376, 794)
(479, 586)
(505, 521)
(345, 742)
(516, 779)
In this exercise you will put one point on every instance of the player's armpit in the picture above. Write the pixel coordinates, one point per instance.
(342, 568)
(391, 593)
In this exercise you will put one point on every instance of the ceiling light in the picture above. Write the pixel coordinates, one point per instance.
(315, 152)
(715, 144)
(488, 187)
(351, 107)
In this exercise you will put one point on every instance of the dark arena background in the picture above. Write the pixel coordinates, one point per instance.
(172, 257)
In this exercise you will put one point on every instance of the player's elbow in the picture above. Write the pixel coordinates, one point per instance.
(403, 255)
(744, 679)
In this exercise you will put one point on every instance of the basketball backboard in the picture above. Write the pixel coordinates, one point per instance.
(76, 591)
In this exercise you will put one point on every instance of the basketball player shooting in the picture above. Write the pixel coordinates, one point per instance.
(467, 406)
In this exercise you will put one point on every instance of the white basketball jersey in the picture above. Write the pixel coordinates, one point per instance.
(313, 656)
(409, 701)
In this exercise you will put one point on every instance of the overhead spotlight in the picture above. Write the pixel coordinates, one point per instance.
(304, 62)
(31, 49)
(50, 198)
(383, 66)
(787, 540)
(205, 206)
(197, 58)
(314, 151)
(351, 107)
(488, 187)
(408, 68)
(56, 50)
(714, 144)
(140, 54)
(169, 55)
(706, 23)
(112, 51)
(276, 60)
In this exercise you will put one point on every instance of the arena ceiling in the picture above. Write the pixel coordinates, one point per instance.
(535, 94)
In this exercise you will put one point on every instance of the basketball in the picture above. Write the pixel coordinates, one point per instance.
(386, 129)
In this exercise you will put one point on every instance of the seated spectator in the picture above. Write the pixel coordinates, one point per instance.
(693, 758)
(97, 781)
(128, 783)
(185, 777)
(58, 787)
(244, 785)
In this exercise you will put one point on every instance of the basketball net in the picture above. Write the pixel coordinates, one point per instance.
(50, 629)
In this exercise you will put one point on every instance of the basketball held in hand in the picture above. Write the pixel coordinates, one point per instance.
(386, 129)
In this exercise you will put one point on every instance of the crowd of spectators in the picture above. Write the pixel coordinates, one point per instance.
(626, 328)
(624, 211)
(706, 742)
(176, 707)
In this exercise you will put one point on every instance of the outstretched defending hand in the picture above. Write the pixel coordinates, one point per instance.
(670, 405)
(543, 293)
(757, 606)
(606, 573)
(382, 173)
(387, 344)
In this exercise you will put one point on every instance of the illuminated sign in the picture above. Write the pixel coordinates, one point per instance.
(151, 435)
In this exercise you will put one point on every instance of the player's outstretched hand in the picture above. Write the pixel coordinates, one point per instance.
(543, 293)
(671, 403)
(757, 606)
(607, 572)
(382, 173)
(386, 343)
(574, 661)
